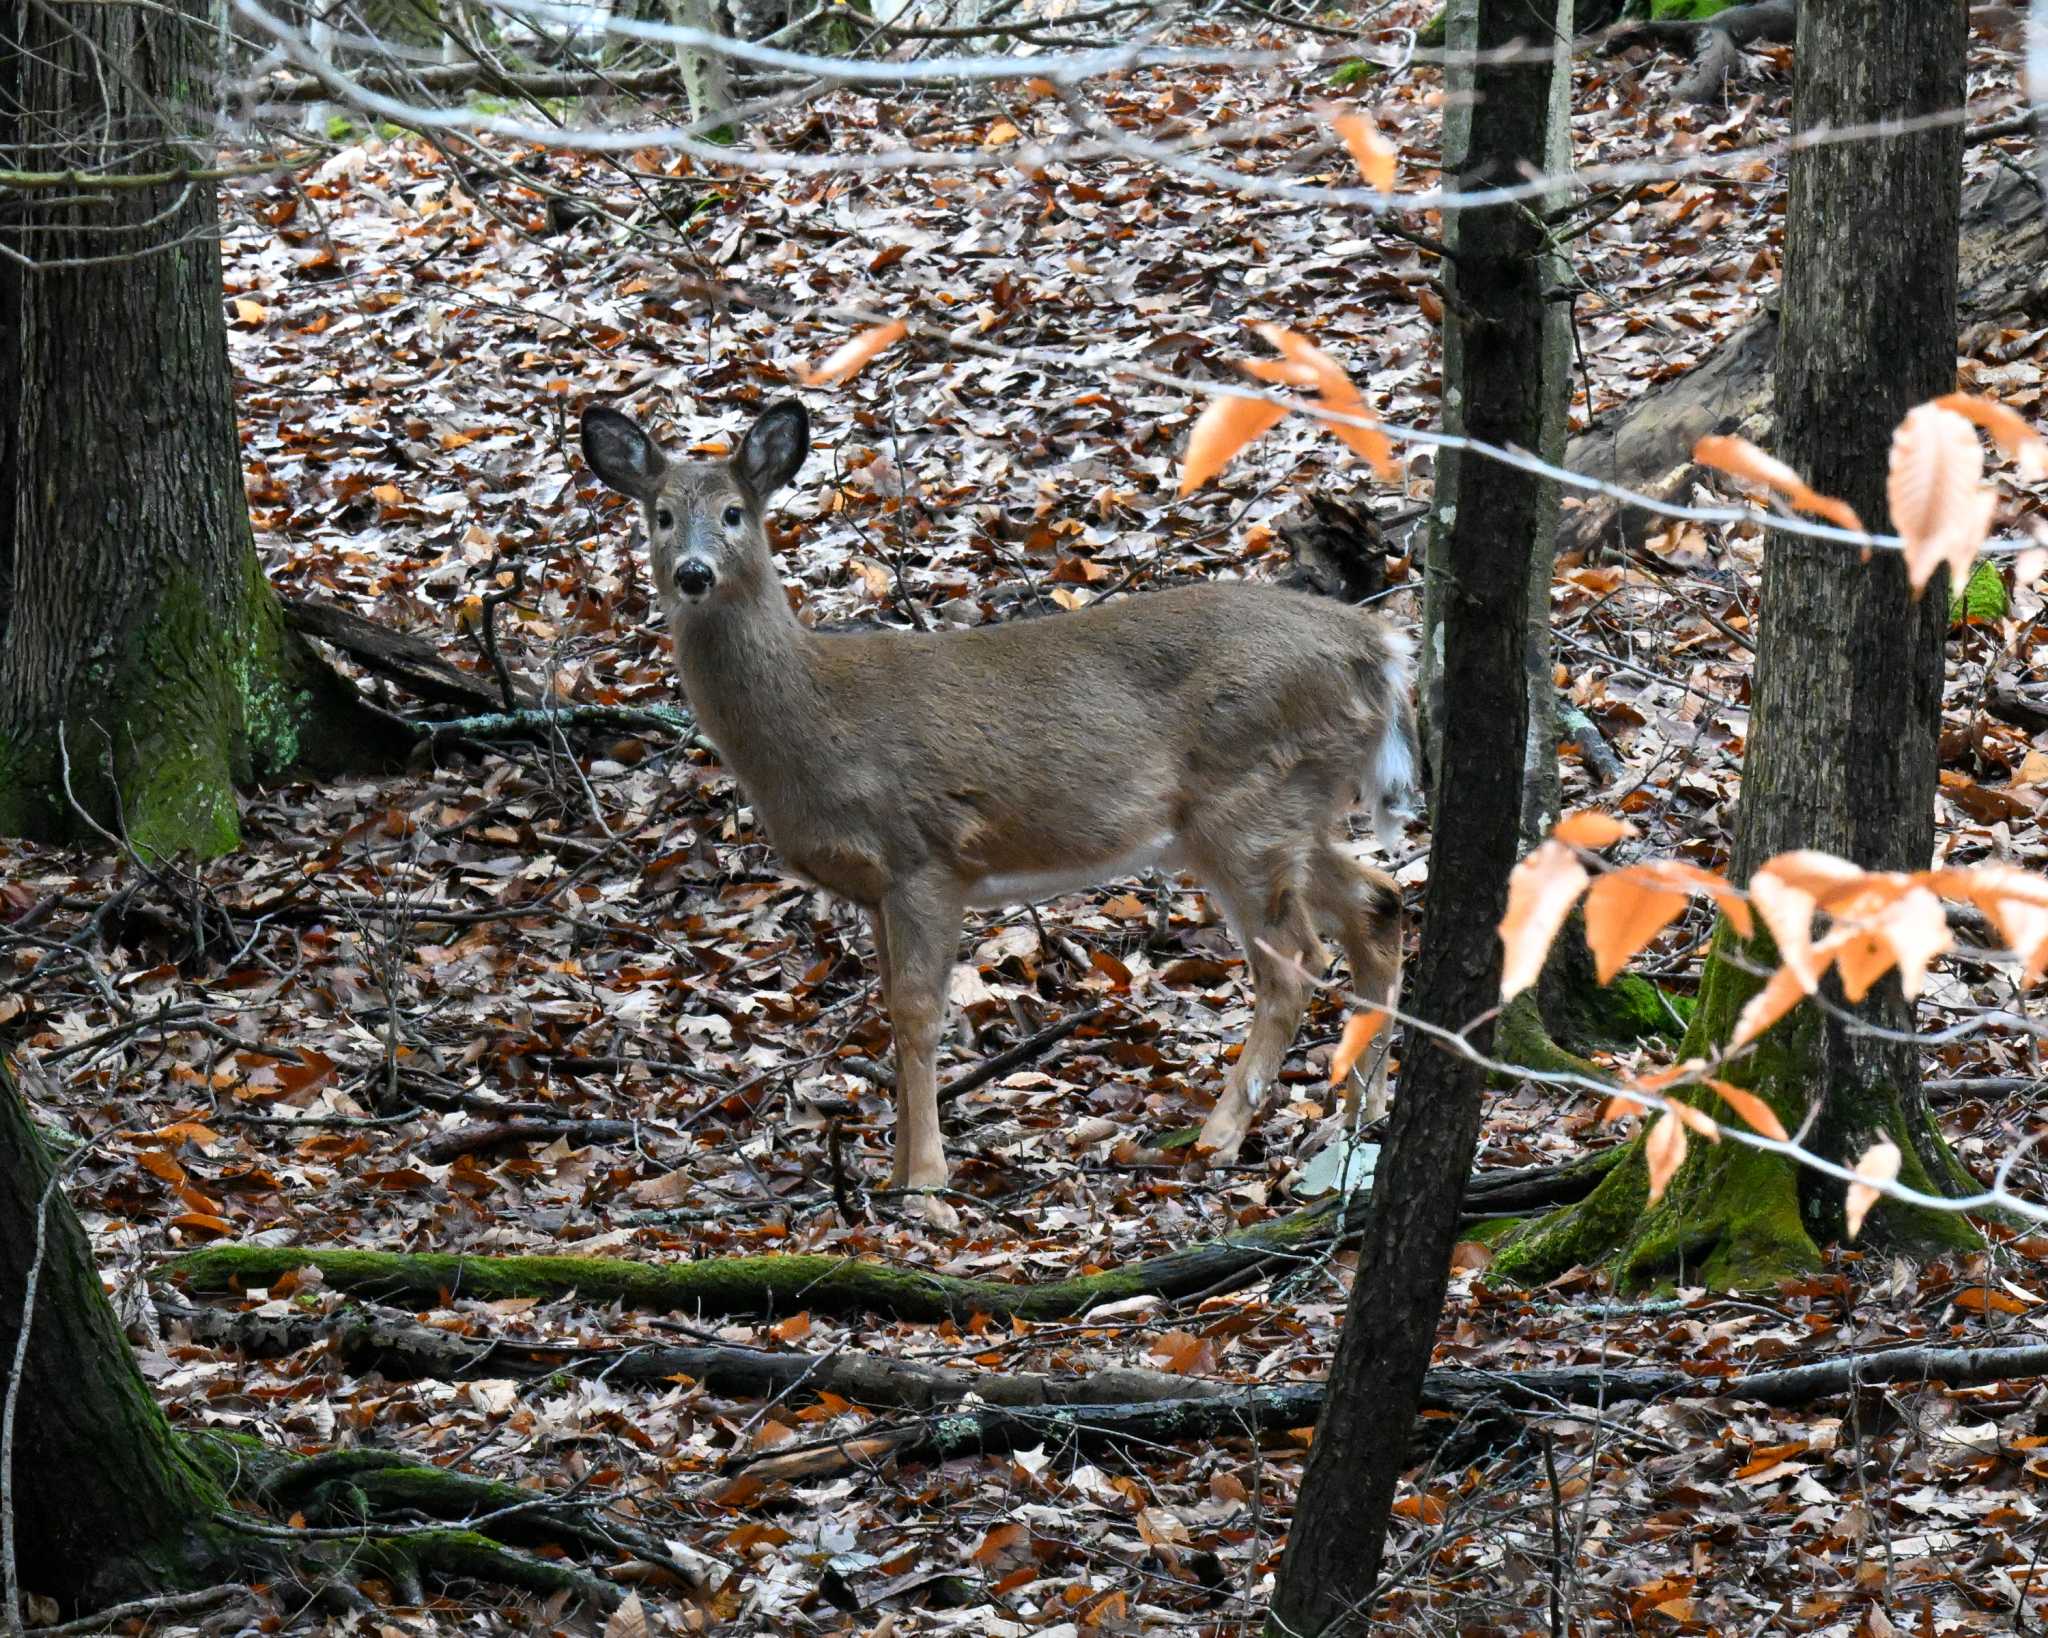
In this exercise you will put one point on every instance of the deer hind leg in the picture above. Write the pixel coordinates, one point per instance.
(917, 933)
(1270, 914)
(1362, 907)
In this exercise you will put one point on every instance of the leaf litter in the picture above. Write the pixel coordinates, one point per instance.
(598, 931)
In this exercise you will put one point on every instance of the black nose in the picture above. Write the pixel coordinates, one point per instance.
(694, 578)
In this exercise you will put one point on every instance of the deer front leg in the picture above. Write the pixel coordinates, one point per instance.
(918, 934)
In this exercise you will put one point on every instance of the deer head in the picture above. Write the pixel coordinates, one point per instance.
(704, 518)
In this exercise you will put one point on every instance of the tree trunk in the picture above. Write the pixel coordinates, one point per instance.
(107, 1503)
(1847, 696)
(141, 637)
(1333, 1555)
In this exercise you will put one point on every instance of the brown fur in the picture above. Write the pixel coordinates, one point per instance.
(915, 773)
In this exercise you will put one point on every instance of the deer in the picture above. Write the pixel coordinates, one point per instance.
(1226, 730)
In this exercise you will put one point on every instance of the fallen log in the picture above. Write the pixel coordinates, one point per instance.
(771, 1284)
(1251, 1412)
(399, 1348)
(1647, 446)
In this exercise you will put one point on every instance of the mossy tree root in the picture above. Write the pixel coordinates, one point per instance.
(1736, 1217)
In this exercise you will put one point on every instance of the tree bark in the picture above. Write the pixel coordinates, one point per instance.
(1847, 696)
(1333, 1556)
(141, 637)
(106, 1501)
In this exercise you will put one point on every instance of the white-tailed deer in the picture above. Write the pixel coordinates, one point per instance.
(1225, 730)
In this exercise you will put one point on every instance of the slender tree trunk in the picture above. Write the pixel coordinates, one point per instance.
(141, 637)
(1361, 1445)
(1847, 697)
(107, 1504)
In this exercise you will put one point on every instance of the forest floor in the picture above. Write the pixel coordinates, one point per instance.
(597, 930)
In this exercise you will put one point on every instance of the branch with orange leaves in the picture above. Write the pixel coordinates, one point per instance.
(1936, 489)
(1878, 922)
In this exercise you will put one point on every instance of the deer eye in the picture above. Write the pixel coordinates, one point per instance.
(664, 518)
(732, 516)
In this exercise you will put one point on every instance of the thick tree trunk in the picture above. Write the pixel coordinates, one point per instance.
(1333, 1555)
(106, 1501)
(1847, 695)
(141, 637)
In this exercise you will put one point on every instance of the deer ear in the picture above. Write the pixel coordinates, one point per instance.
(623, 456)
(774, 448)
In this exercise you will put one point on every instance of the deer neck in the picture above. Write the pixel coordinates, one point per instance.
(749, 669)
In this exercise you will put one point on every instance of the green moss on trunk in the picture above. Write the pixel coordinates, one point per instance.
(110, 1502)
(1735, 1216)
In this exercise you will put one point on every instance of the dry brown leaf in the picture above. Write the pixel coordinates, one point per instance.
(851, 356)
(1664, 1150)
(1880, 1164)
(1376, 157)
(1224, 428)
(1625, 909)
(629, 1620)
(1359, 1030)
(1592, 829)
(1760, 1116)
(1541, 893)
(2011, 431)
(1939, 502)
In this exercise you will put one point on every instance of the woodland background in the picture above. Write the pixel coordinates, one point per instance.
(537, 986)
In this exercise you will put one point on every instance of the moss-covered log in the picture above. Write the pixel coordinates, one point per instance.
(764, 1285)
(139, 633)
(771, 1283)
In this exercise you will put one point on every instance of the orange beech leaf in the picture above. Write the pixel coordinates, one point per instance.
(1788, 912)
(1880, 1164)
(1669, 1075)
(1282, 372)
(1831, 882)
(2010, 430)
(1624, 911)
(1299, 357)
(1591, 828)
(1916, 927)
(1224, 428)
(1541, 893)
(1359, 1030)
(1760, 1115)
(1939, 501)
(1664, 1149)
(1367, 442)
(1698, 1119)
(1375, 155)
(1620, 1107)
(849, 357)
(1740, 458)
(1782, 992)
(2016, 901)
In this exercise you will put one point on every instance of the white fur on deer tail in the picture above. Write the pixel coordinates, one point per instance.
(1396, 781)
